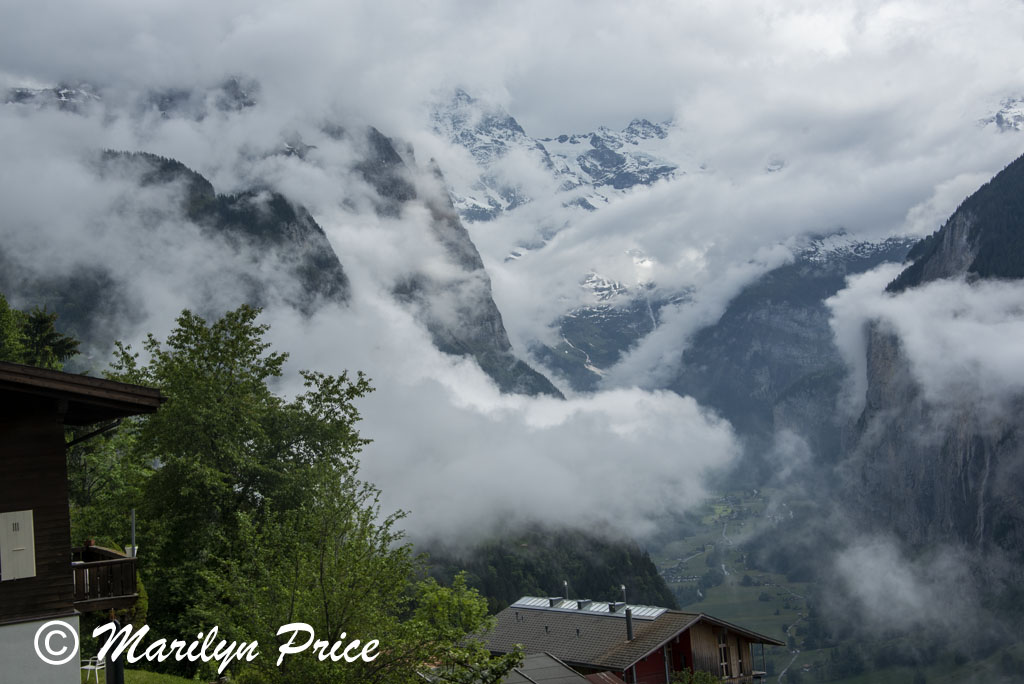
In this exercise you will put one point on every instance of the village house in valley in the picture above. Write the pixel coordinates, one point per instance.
(639, 644)
(42, 577)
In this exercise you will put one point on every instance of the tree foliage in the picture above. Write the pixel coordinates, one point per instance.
(31, 338)
(995, 213)
(694, 677)
(252, 516)
(538, 560)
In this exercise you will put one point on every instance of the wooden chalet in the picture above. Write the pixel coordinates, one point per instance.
(639, 644)
(42, 577)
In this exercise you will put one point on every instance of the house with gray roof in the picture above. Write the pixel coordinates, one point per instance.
(639, 644)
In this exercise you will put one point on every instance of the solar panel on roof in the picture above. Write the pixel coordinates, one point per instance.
(640, 612)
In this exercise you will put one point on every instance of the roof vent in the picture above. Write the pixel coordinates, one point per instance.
(616, 606)
(583, 604)
(553, 601)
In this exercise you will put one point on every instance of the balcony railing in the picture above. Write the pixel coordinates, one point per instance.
(104, 579)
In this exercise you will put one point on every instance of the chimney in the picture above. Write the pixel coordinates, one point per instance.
(629, 625)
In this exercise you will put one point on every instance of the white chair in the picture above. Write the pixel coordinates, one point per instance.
(94, 665)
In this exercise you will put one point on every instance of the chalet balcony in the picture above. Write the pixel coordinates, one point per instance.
(104, 579)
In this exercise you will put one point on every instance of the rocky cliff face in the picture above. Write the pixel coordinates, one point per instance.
(946, 469)
(456, 308)
(267, 247)
(982, 239)
(947, 254)
(257, 245)
(770, 362)
(934, 473)
(595, 337)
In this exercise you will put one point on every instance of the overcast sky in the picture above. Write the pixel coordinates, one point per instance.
(830, 72)
(873, 106)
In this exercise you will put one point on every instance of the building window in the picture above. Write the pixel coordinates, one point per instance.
(724, 666)
(17, 545)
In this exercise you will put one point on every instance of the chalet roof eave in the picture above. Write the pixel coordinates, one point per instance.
(561, 662)
(753, 636)
(688, 625)
(116, 398)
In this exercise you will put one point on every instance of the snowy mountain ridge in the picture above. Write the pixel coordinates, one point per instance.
(840, 246)
(586, 169)
(1009, 116)
(62, 96)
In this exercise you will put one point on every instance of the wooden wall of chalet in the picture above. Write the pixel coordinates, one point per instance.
(743, 649)
(33, 476)
(704, 644)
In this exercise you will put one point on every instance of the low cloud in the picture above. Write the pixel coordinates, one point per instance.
(959, 338)
(448, 447)
(874, 135)
(889, 590)
(465, 460)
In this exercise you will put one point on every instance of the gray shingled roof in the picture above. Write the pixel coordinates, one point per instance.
(593, 640)
(584, 639)
(604, 678)
(543, 668)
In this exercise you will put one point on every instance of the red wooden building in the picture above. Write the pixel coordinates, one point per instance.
(640, 644)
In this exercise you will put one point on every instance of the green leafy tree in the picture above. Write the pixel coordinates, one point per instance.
(252, 517)
(230, 453)
(42, 345)
(11, 324)
(695, 677)
(106, 480)
(443, 618)
(32, 338)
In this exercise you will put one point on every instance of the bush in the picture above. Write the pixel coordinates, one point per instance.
(698, 677)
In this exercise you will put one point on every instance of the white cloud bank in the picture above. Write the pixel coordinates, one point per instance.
(873, 106)
(932, 593)
(962, 340)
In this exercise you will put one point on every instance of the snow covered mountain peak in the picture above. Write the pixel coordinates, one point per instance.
(642, 129)
(604, 290)
(1009, 117)
(840, 245)
(486, 130)
(230, 95)
(586, 168)
(66, 97)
